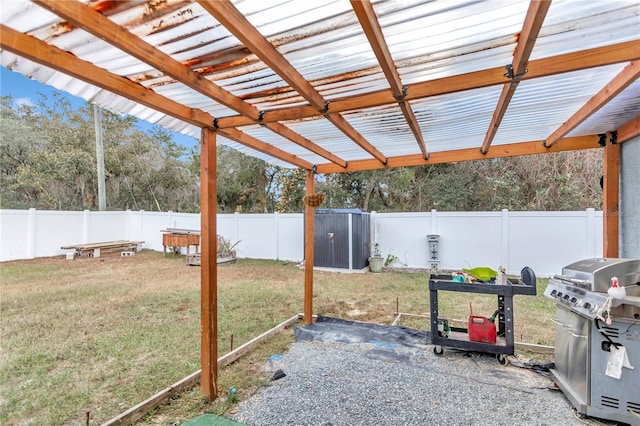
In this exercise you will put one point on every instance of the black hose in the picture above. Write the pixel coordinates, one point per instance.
(616, 345)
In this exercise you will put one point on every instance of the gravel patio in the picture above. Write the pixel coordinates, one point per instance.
(342, 380)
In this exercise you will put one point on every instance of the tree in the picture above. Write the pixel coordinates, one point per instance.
(24, 168)
(243, 182)
(47, 155)
(554, 181)
(48, 161)
(290, 183)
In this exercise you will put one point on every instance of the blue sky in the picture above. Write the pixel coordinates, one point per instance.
(26, 91)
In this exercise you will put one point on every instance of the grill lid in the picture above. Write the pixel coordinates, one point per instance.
(595, 274)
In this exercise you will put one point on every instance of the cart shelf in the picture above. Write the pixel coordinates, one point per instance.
(458, 338)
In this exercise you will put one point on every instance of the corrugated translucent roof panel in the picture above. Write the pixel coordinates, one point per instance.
(456, 120)
(325, 42)
(621, 110)
(576, 25)
(320, 131)
(252, 152)
(25, 16)
(431, 40)
(272, 138)
(386, 128)
(322, 40)
(537, 104)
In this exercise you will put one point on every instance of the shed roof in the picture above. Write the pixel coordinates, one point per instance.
(346, 85)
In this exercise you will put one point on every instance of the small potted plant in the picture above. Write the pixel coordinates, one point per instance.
(376, 260)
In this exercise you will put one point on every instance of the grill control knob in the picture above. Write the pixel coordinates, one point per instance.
(566, 297)
(574, 300)
(587, 306)
(559, 294)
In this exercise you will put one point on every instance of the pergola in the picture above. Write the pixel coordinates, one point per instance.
(333, 86)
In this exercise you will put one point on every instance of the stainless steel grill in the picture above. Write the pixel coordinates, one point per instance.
(588, 324)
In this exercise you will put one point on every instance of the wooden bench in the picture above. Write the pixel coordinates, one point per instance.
(95, 249)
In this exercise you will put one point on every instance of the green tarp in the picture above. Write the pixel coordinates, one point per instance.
(211, 420)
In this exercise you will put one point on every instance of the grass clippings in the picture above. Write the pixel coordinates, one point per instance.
(96, 336)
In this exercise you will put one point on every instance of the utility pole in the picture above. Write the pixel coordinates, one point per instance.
(102, 195)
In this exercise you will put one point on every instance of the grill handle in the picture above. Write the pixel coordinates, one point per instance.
(575, 281)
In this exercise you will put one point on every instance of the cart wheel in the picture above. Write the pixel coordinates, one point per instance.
(438, 350)
(502, 359)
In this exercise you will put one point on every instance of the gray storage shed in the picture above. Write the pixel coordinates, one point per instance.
(341, 238)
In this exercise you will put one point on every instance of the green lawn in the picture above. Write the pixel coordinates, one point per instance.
(101, 335)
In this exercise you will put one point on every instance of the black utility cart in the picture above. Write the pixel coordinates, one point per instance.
(456, 337)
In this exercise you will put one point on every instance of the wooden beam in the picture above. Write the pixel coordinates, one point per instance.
(227, 14)
(584, 59)
(38, 51)
(52, 57)
(305, 143)
(407, 111)
(620, 82)
(241, 350)
(611, 200)
(369, 23)
(629, 130)
(208, 266)
(508, 90)
(95, 23)
(102, 27)
(453, 156)
(251, 142)
(341, 123)
(372, 29)
(309, 218)
(530, 29)
(536, 14)
(140, 410)
(574, 61)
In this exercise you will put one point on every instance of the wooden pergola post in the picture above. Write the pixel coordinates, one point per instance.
(309, 217)
(611, 201)
(208, 266)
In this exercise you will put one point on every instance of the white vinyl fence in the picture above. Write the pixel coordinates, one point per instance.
(544, 241)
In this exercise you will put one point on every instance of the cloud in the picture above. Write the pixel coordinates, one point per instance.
(19, 102)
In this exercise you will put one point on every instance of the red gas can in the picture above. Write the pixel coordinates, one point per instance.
(481, 329)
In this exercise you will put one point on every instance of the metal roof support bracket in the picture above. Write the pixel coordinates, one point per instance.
(326, 107)
(613, 137)
(215, 123)
(602, 139)
(509, 73)
(260, 116)
(405, 89)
